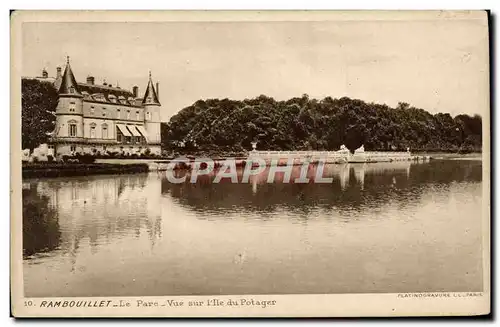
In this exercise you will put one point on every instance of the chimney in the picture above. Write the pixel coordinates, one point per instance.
(135, 90)
(158, 90)
(44, 73)
(90, 80)
(58, 74)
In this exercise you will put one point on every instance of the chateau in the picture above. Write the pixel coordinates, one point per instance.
(93, 118)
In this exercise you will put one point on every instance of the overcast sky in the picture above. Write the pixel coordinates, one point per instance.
(441, 66)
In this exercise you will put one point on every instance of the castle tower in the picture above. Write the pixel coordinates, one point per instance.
(69, 114)
(152, 116)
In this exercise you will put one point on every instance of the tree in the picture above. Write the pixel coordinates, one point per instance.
(305, 123)
(39, 101)
(403, 105)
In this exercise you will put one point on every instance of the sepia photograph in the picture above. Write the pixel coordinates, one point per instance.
(250, 163)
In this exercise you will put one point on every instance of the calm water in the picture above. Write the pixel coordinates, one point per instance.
(395, 227)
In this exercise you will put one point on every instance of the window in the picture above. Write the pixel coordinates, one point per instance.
(104, 131)
(128, 114)
(72, 107)
(117, 113)
(72, 128)
(71, 89)
(92, 110)
(92, 131)
(72, 148)
(103, 111)
(148, 115)
(99, 97)
(137, 116)
(119, 135)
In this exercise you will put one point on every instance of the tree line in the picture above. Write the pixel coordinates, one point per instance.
(301, 123)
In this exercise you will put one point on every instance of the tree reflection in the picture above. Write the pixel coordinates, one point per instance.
(40, 223)
(354, 186)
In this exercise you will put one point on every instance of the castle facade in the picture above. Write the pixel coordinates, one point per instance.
(99, 119)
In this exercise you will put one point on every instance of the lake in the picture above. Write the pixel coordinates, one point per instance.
(380, 227)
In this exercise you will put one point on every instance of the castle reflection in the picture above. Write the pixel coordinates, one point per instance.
(62, 213)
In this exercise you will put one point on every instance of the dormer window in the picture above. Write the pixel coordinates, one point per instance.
(149, 99)
(71, 89)
(112, 98)
(98, 97)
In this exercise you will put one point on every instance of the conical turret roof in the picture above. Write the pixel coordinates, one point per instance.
(68, 82)
(150, 97)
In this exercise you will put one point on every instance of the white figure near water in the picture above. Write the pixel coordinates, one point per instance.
(361, 149)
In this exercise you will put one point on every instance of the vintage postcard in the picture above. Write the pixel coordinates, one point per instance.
(250, 164)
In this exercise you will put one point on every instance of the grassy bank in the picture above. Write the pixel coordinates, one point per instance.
(444, 155)
(38, 170)
(234, 154)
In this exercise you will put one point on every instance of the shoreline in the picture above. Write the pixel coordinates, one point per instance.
(133, 166)
(41, 170)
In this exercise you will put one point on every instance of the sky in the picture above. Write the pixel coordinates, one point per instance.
(437, 65)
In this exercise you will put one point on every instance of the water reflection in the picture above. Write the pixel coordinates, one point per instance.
(41, 231)
(354, 187)
(60, 213)
(392, 227)
(96, 209)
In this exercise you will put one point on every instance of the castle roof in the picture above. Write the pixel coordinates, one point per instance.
(150, 97)
(106, 94)
(68, 83)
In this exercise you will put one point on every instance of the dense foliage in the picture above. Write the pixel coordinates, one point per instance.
(309, 124)
(39, 101)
